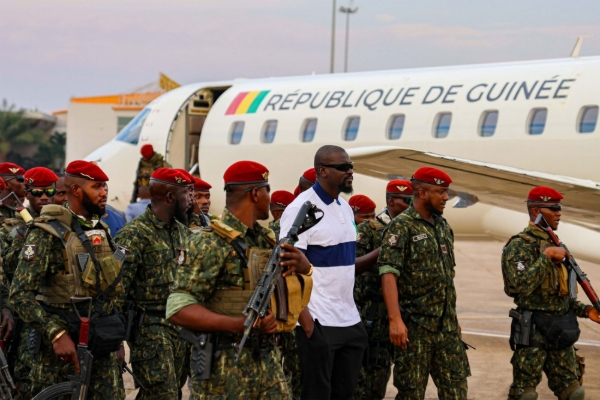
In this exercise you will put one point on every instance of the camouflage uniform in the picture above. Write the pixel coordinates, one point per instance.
(275, 226)
(372, 382)
(211, 264)
(159, 358)
(145, 170)
(33, 270)
(421, 255)
(531, 273)
(195, 224)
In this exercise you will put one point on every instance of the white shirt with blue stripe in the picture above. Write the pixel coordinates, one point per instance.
(331, 248)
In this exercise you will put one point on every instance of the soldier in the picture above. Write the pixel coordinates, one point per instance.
(60, 197)
(368, 295)
(7, 322)
(40, 191)
(68, 255)
(416, 264)
(155, 239)
(198, 215)
(536, 279)
(149, 162)
(12, 175)
(213, 270)
(307, 180)
(280, 199)
(363, 208)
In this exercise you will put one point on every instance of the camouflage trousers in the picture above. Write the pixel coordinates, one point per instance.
(105, 382)
(439, 354)
(23, 366)
(243, 379)
(374, 377)
(160, 360)
(560, 365)
(291, 363)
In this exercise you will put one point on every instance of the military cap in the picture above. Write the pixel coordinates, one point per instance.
(361, 203)
(544, 194)
(400, 186)
(10, 169)
(86, 170)
(297, 191)
(201, 186)
(2, 184)
(310, 175)
(40, 177)
(147, 151)
(282, 198)
(246, 172)
(172, 176)
(432, 176)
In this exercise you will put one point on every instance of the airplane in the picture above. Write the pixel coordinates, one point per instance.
(497, 129)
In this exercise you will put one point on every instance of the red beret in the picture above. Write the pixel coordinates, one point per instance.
(172, 176)
(246, 172)
(2, 184)
(361, 203)
(40, 177)
(399, 186)
(544, 194)
(282, 198)
(432, 176)
(201, 186)
(297, 191)
(10, 169)
(147, 151)
(310, 175)
(86, 170)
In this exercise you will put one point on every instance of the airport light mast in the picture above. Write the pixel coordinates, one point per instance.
(332, 56)
(347, 11)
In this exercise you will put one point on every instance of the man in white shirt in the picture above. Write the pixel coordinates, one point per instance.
(331, 339)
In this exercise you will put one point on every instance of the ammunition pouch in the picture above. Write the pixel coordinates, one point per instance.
(34, 342)
(106, 334)
(560, 332)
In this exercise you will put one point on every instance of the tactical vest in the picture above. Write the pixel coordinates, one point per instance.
(232, 301)
(555, 282)
(79, 275)
(13, 226)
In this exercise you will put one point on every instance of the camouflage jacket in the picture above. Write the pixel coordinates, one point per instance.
(421, 255)
(275, 226)
(526, 268)
(212, 263)
(367, 286)
(149, 268)
(195, 224)
(11, 235)
(48, 260)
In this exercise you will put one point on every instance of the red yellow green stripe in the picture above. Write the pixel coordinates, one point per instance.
(246, 102)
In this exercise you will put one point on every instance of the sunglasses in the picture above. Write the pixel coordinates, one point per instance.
(268, 186)
(40, 192)
(555, 208)
(19, 179)
(407, 200)
(345, 167)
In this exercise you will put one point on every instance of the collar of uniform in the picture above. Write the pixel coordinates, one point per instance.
(323, 195)
(83, 221)
(154, 218)
(415, 214)
(535, 231)
(231, 220)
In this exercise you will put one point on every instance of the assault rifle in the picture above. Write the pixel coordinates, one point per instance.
(6, 382)
(575, 272)
(259, 302)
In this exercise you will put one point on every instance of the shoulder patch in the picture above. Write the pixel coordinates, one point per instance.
(392, 240)
(417, 238)
(29, 251)
(520, 266)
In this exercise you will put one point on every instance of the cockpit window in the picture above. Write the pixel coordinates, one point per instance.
(131, 132)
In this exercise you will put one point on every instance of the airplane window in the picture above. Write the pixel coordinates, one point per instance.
(237, 130)
(269, 131)
(442, 125)
(537, 121)
(131, 132)
(309, 129)
(396, 126)
(351, 131)
(487, 124)
(588, 117)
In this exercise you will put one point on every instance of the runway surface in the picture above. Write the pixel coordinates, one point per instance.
(483, 314)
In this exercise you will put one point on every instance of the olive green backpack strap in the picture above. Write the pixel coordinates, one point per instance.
(231, 236)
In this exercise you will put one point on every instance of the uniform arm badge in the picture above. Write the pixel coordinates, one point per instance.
(29, 251)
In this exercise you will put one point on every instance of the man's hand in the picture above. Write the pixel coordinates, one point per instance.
(268, 324)
(121, 357)
(64, 348)
(294, 260)
(7, 325)
(594, 315)
(399, 334)
(556, 254)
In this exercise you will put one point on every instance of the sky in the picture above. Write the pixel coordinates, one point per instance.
(51, 51)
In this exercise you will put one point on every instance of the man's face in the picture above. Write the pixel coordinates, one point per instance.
(95, 195)
(552, 217)
(435, 198)
(336, 177)
(183, 203)
(263, 200)
(396, 204)
(202, 200)
(17, 185)
(360, 217)
(60, 197)
(277, 212)
(38, 198)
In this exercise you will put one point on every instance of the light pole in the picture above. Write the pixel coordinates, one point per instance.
(332, 59)
(347, 11)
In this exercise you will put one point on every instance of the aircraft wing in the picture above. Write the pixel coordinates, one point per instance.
(497, 185)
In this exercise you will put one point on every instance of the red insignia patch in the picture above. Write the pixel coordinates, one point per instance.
(96, 241)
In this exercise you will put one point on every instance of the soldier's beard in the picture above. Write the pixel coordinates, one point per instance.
(91, 208)
(182, 214)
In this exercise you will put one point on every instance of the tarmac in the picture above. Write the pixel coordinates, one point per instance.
(482, 310)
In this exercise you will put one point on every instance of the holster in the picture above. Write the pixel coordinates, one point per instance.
(34, 342)
(379, 354)
(202, 352)
(134, 320)
(521, 329)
